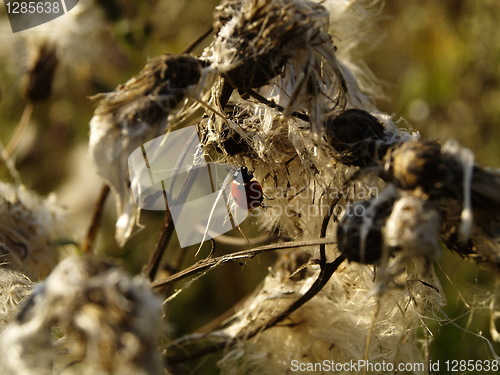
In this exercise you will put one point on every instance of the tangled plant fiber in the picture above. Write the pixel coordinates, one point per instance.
(357, 210)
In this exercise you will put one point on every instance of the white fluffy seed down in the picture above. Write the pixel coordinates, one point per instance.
(88, 317)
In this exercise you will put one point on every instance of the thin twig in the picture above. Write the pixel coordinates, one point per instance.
(326, 272)
(167, 229)
(95, 223)
(238, 256)
(198, 40)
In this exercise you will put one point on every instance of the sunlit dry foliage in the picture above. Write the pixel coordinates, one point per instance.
(87, 317)
(356, 210)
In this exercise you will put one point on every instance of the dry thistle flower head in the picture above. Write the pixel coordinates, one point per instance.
(158, 89)
(103, 322)
(255, 38)
(357, 137)
(465, 194)
(81, 38)
(39, 77)
(135, 113)
(284, 43)
(29, 228)
(417, 163)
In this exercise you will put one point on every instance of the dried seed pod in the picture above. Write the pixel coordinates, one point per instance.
(359, 233)
(417, 163)
(135, 113)
(39, 77)
(256, 37)
(158, 89)
(357, 137)
(465, 194)
(441, 172)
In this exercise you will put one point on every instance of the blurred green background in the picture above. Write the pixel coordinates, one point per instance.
(438, 63)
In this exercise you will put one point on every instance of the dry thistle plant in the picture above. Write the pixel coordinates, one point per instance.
(357, 211)
(77, 38)
(309, 124)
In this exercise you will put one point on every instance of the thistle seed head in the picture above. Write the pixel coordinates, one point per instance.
(102, 320)
(39, 77)
(357, 137)
(157, 90)
(259, 37)
(135, 113)
(417, 163)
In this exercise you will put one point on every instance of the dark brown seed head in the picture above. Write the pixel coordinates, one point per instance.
(262, 37)
(357, 137)
(417, 163)
(359, 233)
(39, 78)
(160, 86)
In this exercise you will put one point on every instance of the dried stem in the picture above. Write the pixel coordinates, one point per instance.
(198, 40)
(18, 133)
(166, 231)
(151, 268)
(205, 264)
(95, 223)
